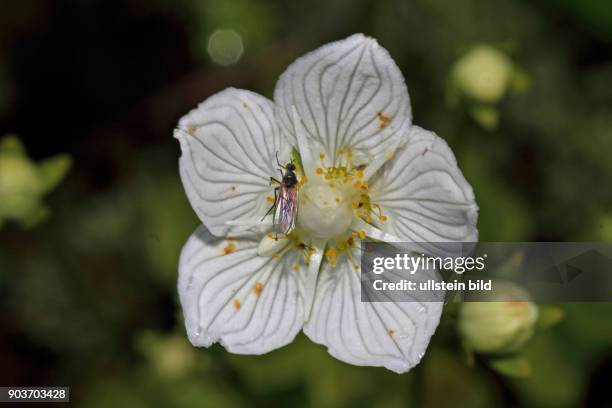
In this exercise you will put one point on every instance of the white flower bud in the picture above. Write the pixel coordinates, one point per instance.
(484, 74)
(501, 326)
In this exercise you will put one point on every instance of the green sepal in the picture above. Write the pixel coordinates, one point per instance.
(549, 316)
(11, 145)
(52, 170)
(514, 366)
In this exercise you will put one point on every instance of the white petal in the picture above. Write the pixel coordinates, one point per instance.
(229, 294)
(229, 146)
(348, 94)
(388, 334)
(424, 195)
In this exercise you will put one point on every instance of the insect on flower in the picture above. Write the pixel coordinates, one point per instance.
(285, 205)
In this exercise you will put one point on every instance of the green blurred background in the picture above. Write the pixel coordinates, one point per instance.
(88, 272)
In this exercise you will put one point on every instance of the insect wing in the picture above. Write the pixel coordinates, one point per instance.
(285, 213)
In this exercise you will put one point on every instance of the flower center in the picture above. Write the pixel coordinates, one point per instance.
(325, 208)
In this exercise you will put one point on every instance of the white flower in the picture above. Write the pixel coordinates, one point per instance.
(367, 172)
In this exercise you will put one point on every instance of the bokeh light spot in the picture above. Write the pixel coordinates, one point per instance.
(225, 47)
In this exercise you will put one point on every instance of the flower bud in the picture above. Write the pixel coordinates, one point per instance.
(23, 183)
(500, 326)
(19, 186)
(484, 74)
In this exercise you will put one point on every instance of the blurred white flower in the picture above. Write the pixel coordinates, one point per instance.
(363, 170)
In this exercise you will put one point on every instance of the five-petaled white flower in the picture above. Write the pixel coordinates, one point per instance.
(367, 171)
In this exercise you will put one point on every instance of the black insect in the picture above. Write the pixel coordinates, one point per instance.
(285, 205)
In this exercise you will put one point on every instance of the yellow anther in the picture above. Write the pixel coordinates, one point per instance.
(270, 199)
(321, 156)
(319, 170)
(382, 217)
(257, 288)
(328, 176)
(362, 234)
(357, 184)
(359, 174)
(331, 252)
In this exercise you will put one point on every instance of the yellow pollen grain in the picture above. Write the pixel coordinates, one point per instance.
(233, 188)
(389, 157)
(383, 119)
(237, 304)
(357, 184)
(337, 200)
(391, 332)
(192, 130)
(270, 199)
(229, 248)
(296, 267)
(257, 288)
(319, 170)
(328, 177)
(362, 234)
(382, 217)
(359, 174)
(321, 156)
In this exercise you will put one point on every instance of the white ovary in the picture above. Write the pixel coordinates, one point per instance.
(325, 208)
